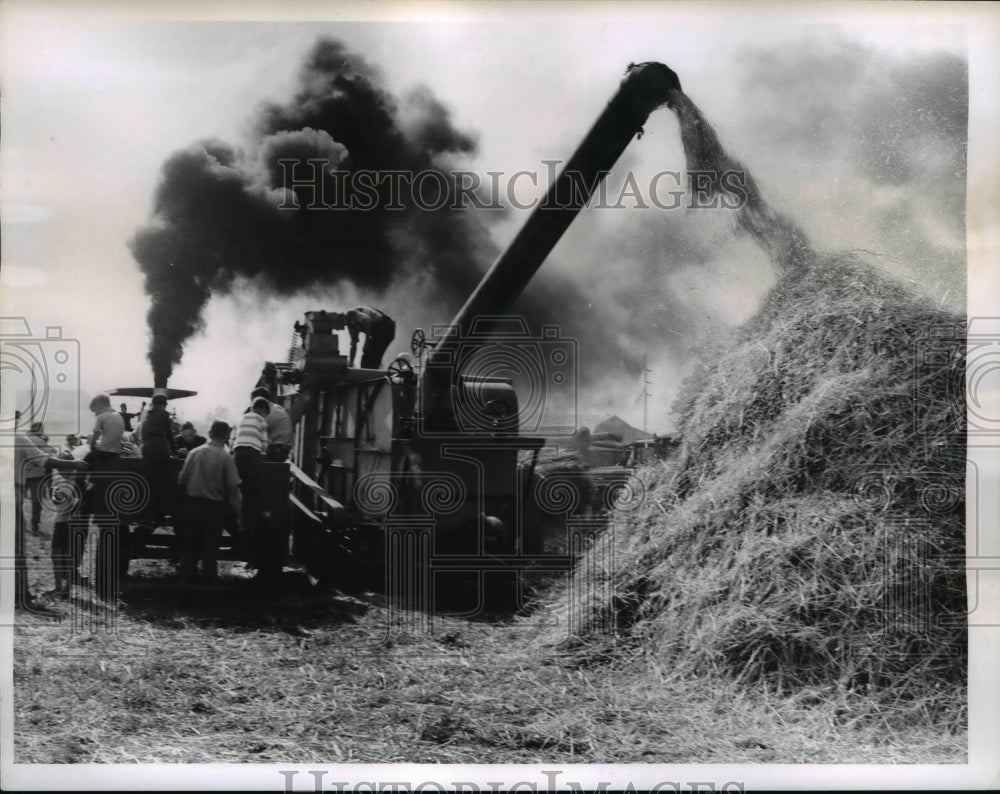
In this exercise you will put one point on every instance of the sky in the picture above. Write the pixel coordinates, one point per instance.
(852, 121)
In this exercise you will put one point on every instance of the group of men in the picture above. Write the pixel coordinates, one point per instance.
(213, 488)
(217, 485)
(213, 483)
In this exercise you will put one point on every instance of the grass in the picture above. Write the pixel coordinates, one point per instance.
(317, 677)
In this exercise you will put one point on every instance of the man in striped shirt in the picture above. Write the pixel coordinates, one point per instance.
(249, 447)
(251, 432)
(279, 429)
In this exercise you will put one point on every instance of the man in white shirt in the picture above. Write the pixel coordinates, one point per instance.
(249, 445)
(111, 561)
(280, 435)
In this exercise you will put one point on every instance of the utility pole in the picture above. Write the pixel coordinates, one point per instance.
(33, 410)
(646, 382)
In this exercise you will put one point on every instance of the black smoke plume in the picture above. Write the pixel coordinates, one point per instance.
(221, 214)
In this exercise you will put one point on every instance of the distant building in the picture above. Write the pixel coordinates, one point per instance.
(622, 429)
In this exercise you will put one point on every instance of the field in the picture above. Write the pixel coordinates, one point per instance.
(319, 677)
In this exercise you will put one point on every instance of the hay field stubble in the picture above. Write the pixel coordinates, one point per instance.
(315, 677)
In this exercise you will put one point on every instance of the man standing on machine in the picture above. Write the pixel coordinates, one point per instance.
(379, 330)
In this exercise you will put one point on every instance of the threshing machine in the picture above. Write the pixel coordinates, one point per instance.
(411, 480)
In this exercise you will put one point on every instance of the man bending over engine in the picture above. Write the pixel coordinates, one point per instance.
(379, 330)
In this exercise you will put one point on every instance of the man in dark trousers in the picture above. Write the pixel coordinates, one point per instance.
(249, 446)
(69, 534)
(211, 486)
(379, 330)
(111, 561)
(35, 475)
(157, 438)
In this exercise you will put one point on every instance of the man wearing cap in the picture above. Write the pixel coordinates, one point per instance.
(211, 485)
(279, 429)
(188, 439)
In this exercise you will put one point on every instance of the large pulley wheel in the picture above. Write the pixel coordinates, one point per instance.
(418, 342)
(400, 371)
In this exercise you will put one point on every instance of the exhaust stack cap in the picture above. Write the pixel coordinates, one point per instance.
(149, 391)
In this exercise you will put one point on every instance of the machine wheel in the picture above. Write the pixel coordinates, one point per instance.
(418, 342)
(400, 371)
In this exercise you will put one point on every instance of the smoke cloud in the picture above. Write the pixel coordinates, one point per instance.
(221, 214)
